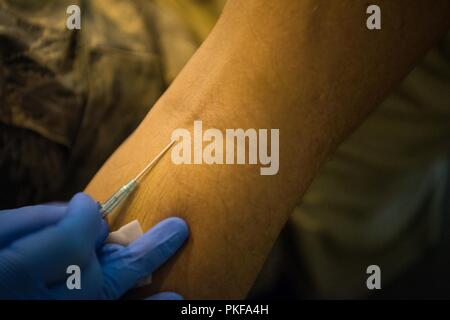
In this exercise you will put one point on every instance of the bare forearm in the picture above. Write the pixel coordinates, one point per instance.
(308, 68)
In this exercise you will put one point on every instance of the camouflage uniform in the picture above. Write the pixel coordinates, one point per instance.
(69, 98)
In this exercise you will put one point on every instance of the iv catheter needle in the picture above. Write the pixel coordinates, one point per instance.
(156, 159)
(120, 195)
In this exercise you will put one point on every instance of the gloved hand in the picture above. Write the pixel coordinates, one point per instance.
(39, 243)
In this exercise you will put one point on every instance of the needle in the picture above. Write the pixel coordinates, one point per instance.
(154, 161)
(120, 195)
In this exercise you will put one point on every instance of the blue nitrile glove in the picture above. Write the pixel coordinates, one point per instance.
(39, 243)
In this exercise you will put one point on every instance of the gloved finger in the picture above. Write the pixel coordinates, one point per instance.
(157, 245)
(103, 234)
(16, 282)
(69, 242)
(17, 223)
(82, 284)
(123, 268)
(165, 296)
(107, 252)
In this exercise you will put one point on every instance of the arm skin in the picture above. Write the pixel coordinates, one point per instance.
(309, 68)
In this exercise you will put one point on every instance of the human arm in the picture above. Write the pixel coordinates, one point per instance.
(309, 68)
